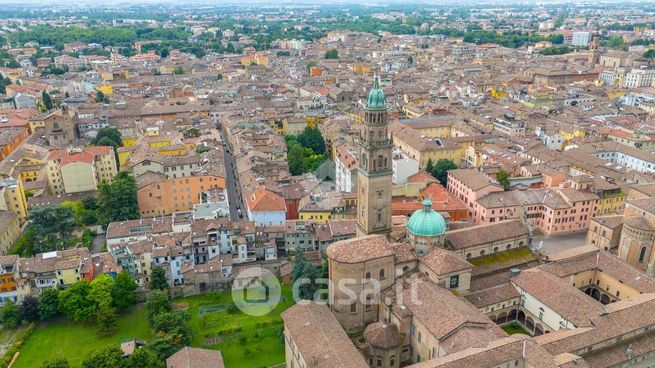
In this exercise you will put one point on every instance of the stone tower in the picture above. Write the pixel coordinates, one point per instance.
(593, 52)
(374, 177)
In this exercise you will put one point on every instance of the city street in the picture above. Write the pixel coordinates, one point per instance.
(232, 180)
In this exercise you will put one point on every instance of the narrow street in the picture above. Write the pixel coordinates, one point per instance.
(232, 179)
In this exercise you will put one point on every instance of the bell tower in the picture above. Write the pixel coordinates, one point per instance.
(592, 60)
(374, 176)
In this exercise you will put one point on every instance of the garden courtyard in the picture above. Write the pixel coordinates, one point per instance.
(245, 341)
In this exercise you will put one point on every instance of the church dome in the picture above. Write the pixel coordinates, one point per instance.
(426, 221)
(376, 98)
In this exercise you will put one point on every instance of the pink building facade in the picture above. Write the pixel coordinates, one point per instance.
(468, 185)
(549, 211)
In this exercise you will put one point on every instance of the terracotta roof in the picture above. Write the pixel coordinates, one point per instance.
(442, 261)
(263, 200)
(493, 295)
(382, 335)
(472, 178)
(496, 354)
(443, 314)
(188, 357)
(360, 249)
(77, 157)
(594, 259)
(319, 337)
(483, 234)
(422, 177)
(567, 301)
(618, 321)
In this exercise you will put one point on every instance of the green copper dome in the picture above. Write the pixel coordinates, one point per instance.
(376, 98)
(426, 221)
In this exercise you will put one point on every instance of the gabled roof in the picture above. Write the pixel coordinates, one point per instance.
(263, 200)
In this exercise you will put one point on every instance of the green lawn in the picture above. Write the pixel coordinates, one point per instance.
(259, 342)
(514, 328)
(521, 254)
(75, 341)
(245, 341)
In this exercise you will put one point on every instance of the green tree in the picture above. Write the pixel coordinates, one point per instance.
(649, 54)
(108, 134)
(332, 54)
(110, 356)
(101, 97)
(144, 358)
(296, 159)
(101, 290)
(52, 227)
(10, 315)
(106, 318)
(157, 303)
(56, 363)
(48, 304)
(165, 345)
(47, 100)
(310, 64)
(178, 71)
(117, 200)
(158, 279)
(4, 82)
(29, 309)
(429, 167)
(440, 170)
(123, 291)
(305, 271)
(503, 178)
(192, 133)
(172, 322)
(219, 76)
(312, 138)
(75, 304)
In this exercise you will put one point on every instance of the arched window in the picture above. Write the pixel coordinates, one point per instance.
(368, 275)
(468, 255)
(382, 274)
(481, 252)
(642, 254)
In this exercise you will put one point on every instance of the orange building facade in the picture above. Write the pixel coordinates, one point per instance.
(175, 194)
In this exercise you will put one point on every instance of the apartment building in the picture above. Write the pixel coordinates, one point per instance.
(158, 195)
(80, 169)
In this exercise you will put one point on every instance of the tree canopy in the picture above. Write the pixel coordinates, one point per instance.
(123, 291)
(108, 136)
(117, 200)
(503, 178)
(440, 170)
(52, 228)
(306, 152)
(332, 54)
(75, 303)
(10, 315)
(49, 304)
(158, 279)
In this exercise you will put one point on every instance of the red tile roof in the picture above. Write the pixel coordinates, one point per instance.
(263, 200)
(77, 157)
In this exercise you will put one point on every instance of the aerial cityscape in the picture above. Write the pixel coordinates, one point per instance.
(327, 185)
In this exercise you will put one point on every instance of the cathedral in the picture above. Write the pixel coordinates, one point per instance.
(419, 295)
